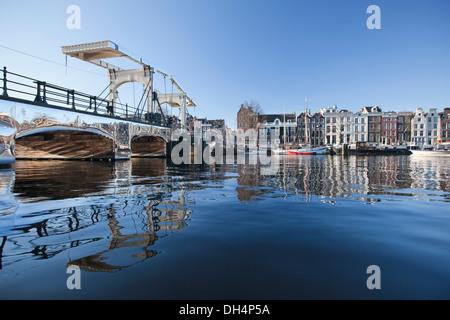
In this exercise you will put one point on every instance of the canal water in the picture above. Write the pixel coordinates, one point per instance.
(147, 229)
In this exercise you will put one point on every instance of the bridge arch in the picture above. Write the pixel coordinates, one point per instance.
(148, 145)
(64, 143)
(115, 86)
(121, 77)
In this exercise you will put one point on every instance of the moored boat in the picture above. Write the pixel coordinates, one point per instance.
(306, 149)
(441, 150)
(309, 151)
(304, 153)
(431, 153)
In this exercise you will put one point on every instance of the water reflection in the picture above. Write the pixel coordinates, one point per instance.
(121, 208)
(327, 178)
(8, 203)
(125, 250)
(107, 216)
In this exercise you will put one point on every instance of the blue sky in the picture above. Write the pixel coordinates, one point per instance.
(223, 52)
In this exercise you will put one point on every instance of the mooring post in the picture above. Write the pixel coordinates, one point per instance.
(345, 149)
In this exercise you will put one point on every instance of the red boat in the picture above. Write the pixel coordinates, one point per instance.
(302, 153)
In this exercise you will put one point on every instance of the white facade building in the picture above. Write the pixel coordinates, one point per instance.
(332, 125)
(344, 126)
(425, 128)
(359, 127)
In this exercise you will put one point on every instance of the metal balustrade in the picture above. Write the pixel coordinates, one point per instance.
(19, 87)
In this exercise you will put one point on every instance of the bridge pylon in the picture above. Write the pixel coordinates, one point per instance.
(176, 100)
(96, 52)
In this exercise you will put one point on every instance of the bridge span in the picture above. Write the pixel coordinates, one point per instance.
(41, 120)
(32, 131)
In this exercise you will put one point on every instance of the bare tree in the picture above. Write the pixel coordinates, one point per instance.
(254, 110)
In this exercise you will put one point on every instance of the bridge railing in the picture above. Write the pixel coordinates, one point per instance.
(50, 95)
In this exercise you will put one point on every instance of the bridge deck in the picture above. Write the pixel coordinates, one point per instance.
(23, 89)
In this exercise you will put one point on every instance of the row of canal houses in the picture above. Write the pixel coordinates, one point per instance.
(333, 127)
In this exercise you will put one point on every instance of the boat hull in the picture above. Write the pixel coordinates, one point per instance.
(309, 151)
(430, 153)
(305, 153)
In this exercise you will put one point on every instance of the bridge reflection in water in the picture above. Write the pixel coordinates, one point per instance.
(110, 215)
(107, 205)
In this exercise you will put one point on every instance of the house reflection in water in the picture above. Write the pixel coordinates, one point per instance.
(323, 178)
